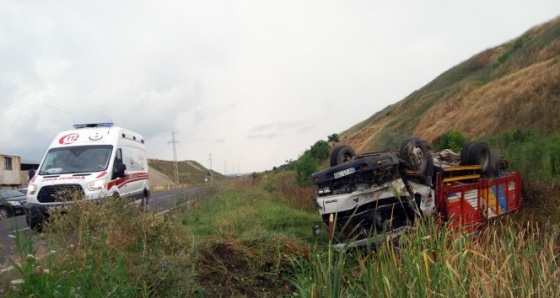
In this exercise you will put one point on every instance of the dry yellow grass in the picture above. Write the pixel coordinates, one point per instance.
(517, 100)
(514, 85)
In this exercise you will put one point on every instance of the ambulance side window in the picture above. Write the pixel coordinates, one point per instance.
(118, 161)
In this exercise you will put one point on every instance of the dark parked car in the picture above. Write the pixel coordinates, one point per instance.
(11, 203)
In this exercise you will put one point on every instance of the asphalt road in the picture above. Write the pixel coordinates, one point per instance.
(161, 202)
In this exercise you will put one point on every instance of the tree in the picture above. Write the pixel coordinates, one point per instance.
(305, 166)
(320, 150)
(333, 138)
(289, 165)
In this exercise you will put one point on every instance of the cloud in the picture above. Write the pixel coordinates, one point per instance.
(264, 136)
(252, 82)
(278, 129)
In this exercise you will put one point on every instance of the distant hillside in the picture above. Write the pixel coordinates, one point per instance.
(190, 172)
(514, 85)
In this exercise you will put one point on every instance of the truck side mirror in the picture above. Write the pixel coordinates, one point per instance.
(121, 168)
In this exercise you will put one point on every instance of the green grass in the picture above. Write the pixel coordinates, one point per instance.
(250, 216)
(534, 154)
(238, 239)
(409, 117)
(507, 260)
(246, 238)
(233, 240)
(102, 250)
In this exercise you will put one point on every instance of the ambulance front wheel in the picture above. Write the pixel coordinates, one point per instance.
(145, 199)
(35, 220)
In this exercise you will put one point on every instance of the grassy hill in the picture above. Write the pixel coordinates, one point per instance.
(514, 85)
(190, 172)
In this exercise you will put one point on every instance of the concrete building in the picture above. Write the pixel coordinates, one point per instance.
(14, 171)
(10, 171)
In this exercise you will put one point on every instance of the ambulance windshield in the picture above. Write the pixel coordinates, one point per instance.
(76, 159)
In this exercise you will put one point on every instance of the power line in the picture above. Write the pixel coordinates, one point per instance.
(210, 159)
(174, 142)
(10, 92)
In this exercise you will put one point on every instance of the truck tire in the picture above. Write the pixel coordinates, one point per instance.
(427, 145)
(429, 172)
(341, 154)
(406, 142)
(479, 154)
(414, 152)
(465, 153)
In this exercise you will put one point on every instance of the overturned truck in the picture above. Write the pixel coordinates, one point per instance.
(364, 199)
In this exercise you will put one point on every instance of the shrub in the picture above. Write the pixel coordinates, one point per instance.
(305, 166)
(453, 140)
(507, 54)
(535, 155)
(320, 150)
(333, 138)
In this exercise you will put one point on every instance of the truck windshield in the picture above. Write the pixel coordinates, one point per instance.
(76, 159)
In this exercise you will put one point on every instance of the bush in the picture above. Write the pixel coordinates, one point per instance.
(320, 150)
(305, 166)
(535, 155)
(518, 44)
(333, 138)
(453, 140)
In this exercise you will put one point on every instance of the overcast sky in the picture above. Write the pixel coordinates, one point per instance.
(254, 83)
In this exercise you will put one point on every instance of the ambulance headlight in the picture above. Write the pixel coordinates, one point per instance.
(96, 185)
(31, 189)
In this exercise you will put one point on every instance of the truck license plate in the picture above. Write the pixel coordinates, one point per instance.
(344, 173)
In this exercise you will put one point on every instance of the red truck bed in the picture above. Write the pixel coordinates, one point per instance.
(469, 205)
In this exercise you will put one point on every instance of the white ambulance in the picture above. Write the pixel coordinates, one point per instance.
(91, 162)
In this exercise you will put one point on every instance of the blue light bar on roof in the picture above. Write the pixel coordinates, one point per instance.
(85, 125)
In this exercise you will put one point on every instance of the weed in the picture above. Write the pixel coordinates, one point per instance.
(506, 260)
(110, 248)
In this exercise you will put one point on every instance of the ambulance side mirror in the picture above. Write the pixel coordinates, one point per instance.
(121, 168)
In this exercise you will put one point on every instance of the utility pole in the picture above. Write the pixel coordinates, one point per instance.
(225, 167)
(210, 159)
(173, 141)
